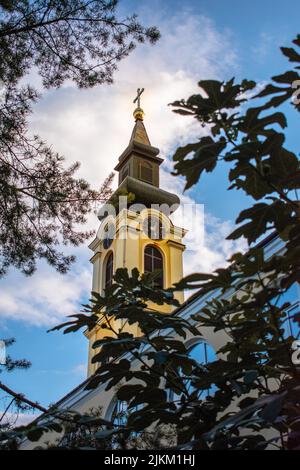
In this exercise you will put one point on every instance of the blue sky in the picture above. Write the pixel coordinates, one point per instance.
(200, 39)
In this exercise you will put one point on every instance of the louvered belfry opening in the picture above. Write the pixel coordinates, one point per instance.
(146, 172)
(140, 159)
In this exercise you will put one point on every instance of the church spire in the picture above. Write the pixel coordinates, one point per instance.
(139, 133)
(138, 165)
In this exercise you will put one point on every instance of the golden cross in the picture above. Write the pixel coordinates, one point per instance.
(138, 97)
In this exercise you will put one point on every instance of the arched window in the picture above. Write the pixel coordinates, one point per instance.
(153, 261)
(292, 297)
(203, 353)
(109, 270)
(120, 413)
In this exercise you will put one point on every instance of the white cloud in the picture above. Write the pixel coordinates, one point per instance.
(215, 250)
(94, 126)
(206, 246)
(80, 370)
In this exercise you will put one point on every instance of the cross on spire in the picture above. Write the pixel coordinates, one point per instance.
(137, 99)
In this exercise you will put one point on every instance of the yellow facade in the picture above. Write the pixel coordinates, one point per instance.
(128, 252)
(130, 238)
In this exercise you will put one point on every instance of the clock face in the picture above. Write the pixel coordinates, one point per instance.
(154, 228)
(109, 235)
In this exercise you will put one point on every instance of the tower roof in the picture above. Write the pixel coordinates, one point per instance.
(139, 142)
(139, 133)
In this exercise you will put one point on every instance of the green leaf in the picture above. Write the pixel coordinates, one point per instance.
(252, 125)
(152, 396)
(193, 281)
(105, 433)
(297, 40)
(273, 409)
(205, 157)
(269, 90)
(253, 183)
(127, 392)
(250, 376)
(35, 434)
(261, 215)
(283, 164)
(287, 77)
(161, 357)
(291, 54)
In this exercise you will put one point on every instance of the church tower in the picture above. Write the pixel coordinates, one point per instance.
(140, 234)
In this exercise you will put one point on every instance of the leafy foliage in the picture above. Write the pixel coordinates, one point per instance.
(42, 203)
(10, 407)
(78, 40)
(10, 363)
(254, 383)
